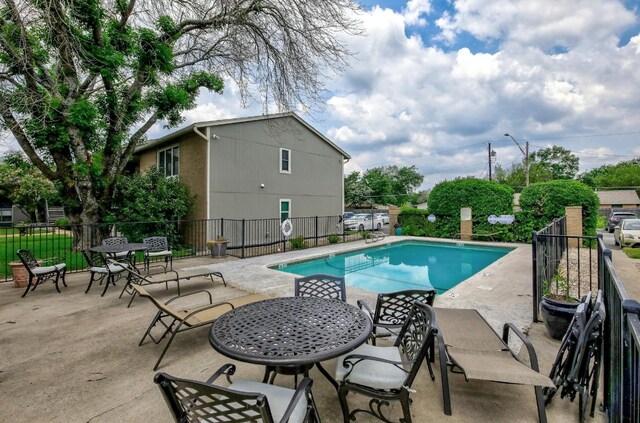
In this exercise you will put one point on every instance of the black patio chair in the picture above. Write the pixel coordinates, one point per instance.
(387, 373)
(392, 309)
(118, 240)
(100, 270)
(243, 401)
(47, 269)
(158, 246)
(576, 369)
(323, 286)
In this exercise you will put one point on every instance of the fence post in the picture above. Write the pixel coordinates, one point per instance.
(534, 255)
(243, 223)
(222, 226)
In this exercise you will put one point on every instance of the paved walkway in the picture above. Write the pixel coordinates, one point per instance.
(74, 357)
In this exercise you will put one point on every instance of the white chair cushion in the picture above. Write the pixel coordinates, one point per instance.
(41, 270)
(159, 253)
(122, 254)
(278, 397)
(114, 268)
(373, 373)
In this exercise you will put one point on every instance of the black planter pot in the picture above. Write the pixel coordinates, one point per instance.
(557, 316)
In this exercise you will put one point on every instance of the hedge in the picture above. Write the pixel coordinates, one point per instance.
(447, 198)
(543, 202)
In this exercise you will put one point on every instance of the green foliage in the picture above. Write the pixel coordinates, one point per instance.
(151, 197)
(633, 253)
(333, 238)
(25, 185)
(559, 162)
(63, 223)
(298, 243)
(623, 174)
(485, 198)
(558, 289)
(414, 222)
(544, 202)
(382, 185)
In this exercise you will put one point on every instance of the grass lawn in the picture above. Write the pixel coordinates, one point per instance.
(49, 244)
(633, 253)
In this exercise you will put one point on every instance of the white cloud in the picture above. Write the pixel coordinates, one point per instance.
(414, 10)
(413, 103)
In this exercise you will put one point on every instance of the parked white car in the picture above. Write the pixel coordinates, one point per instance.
(361, 222)
(384, 217)
(627, 233)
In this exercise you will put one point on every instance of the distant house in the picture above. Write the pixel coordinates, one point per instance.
(619, 199)
(275, 166)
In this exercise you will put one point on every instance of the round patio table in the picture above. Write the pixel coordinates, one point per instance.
(289, 335)
(119, 248)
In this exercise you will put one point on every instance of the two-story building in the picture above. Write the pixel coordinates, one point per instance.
(253, 168)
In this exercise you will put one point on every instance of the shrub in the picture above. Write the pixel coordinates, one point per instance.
(298, 243)
(63, 223)
(485, 198)
(543, 202)
(151, 198)
(333, 238)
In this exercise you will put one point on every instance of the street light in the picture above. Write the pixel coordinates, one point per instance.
(526, 158)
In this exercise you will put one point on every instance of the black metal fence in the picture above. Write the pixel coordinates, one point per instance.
(622, 345)
(188, 238)
(556, 253)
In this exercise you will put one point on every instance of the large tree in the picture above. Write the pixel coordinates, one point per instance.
(82, 81)
(23, 184)
(560, 162)
(382, 185)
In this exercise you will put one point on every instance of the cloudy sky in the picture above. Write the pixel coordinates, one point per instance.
(432, 82)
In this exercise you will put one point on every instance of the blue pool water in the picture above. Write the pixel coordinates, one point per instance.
(404, 265)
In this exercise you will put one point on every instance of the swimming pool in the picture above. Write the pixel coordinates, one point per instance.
(403, 265)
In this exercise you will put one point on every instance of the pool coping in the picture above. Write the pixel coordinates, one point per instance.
(501, 291)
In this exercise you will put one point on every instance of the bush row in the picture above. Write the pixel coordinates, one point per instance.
(540, 204)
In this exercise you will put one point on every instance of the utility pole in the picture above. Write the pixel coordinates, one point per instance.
(492, 155)
(526, 158)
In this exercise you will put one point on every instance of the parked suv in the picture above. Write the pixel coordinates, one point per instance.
(616, 217)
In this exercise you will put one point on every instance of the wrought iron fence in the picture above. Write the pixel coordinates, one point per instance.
(622, 345)
(188, 238)
(558, 255)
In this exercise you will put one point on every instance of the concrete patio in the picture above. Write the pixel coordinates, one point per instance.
(74, 357)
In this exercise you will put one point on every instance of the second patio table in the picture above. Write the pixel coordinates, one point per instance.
(119, 248)
(290, 335)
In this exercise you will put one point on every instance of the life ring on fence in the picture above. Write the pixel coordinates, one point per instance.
(287, 227)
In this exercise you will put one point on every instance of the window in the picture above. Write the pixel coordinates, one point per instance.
(169, 161)
(285, 160)
(5, 215)
(285, 210)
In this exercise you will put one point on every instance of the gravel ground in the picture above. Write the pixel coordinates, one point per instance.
(580, 267)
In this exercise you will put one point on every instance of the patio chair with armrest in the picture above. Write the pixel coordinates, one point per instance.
(387, 373)
(158, 247)
(392, 309)
(98, 266)
(175, 320)
(576, 369)
(118, 240)
(323, 286)
(243, 401)
(41, 271)
(468, 343)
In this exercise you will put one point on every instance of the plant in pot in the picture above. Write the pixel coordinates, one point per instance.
(557, 306)
(398, 228)
(218, 246)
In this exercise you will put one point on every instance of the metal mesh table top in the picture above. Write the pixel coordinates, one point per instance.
(118, 248)
(290, 331)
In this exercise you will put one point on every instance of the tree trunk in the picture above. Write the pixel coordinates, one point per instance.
(85, 219)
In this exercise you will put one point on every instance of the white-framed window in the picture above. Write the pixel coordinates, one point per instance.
(285, 160)
(169, 161)
(285, 210)
(6, 215)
